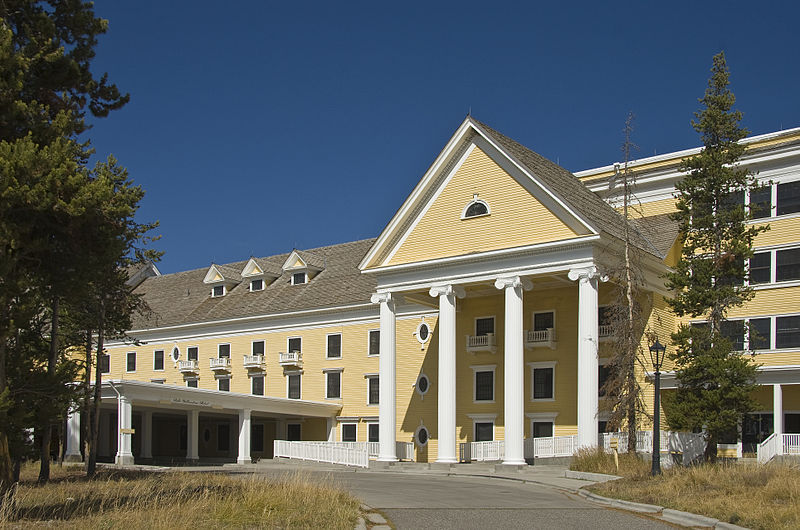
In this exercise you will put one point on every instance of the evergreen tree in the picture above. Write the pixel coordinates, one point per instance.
(714, 382)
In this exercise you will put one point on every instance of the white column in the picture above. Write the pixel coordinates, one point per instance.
(244, 437)
(587, 354)
(73, 452)
(147, 434)
(777, 410)
(192, 428)
(447, 370)
(331, 429)
(514, 369)
(124, 431)
(387, 412)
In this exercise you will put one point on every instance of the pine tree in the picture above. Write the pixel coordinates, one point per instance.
(714, 382)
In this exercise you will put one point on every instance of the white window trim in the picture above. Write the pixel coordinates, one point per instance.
(773, 266)
(369, 332)
(367, 378)
(305, 277)
(294, 337)
(328, 371)
(252, 377)
(773, 339)
(159, 380)
(341, 429)
(257, 341)
(224, 291)
(483, 418)
(474, 200)
(297, 373)
(417, 332)
(198, 352)
(773, 212)
(263, 284)
(371, 423)
(416, 385)
(172, 353)
(541, 417)
(192, 378)
(230, 350)
(135, 362)
(341, 343)
(533, 318)
(483, 368)
(163, 360)
(539, 365)
(416, 435)
(221, 378)
(475, 324)
(108, 355)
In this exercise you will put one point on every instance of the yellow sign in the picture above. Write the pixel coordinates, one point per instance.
(613, 443)
(128, 431)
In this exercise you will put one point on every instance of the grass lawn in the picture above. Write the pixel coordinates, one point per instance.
(130, 499)
(753, 496)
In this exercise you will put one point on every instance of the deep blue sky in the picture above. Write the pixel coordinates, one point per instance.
(256, 127)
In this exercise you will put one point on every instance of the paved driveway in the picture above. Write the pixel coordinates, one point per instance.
(430, 501)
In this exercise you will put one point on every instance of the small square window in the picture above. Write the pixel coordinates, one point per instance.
(333, 387)
(191, 383)
(349, 432)
(484, 326)
(299, 278)
(293, 391)
(760, 266)
(373, 432)
(543, 429)
(105, 363)
(484, 385)
(543, 383)
(258, 347)
(484, 431)
(217, 291)
(787, 265)
(224, 384)
(374, 342)
(130, 365)
(257, 285)
(373, 390)
(224, 350)
(158, 360)
(334, 346)
(192, 353)
(257, 385)
(295, 344)
(544, 321)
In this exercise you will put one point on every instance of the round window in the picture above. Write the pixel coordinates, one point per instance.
(206, 435)
(423, 332)
(422, 435)
(176, 354)
(423, 384)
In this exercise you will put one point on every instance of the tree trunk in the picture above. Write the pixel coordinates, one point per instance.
(44, 449)
(87, 400)
(91, 458)
(6, 474)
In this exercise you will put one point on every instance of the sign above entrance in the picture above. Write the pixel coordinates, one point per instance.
(194, 402)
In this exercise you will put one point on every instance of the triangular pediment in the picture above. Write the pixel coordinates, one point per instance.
(218, 274)
(516, 208)
(300, 260)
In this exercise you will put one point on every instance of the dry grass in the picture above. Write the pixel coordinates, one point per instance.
(757, 497)
(117, 499)
(598, 461)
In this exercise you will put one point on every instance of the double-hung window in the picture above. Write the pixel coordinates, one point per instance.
(484, 326)
(257, 385)
(334, 350)
(788, 197)
(293, 386)
(543, 377)
(224, 384)
(224, 351)
(761, 268)
(787, 265)
(373, 390)
(349, 431)
(130, 365)
(484, 383)
(787, 332)
(484, 431)
(295, 344)
(373, 432)
(258, 347)
(374, 342)
(333, 384)
(158, 360)
(192, 353)
(104, 363)
(761, 202)
(733, 330)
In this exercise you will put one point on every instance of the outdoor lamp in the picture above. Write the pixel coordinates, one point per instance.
(657, 351)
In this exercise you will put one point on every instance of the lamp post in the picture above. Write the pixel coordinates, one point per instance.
(657, 351)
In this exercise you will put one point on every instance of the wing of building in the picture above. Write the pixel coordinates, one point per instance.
(476, 315)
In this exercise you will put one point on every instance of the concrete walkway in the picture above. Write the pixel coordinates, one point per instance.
(461, 496)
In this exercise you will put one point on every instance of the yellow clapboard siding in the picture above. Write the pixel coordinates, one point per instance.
(516, 218)
(782, 231)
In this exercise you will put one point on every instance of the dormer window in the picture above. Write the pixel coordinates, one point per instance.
(299, 278)
(475, 208)
(256, 285)
(217, 291)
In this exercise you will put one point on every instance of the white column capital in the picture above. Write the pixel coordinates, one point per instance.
(447, 290)
(381, 298)
(586, 274)
(504, 282)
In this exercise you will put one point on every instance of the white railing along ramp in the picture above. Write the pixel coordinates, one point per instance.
(329, 452)
(549, 447)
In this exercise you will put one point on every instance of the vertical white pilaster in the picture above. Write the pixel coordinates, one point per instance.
(514, 369)
(387, 446)
(447, 370)
(147, 434)
(124, 431)
(73, 452)
(244, 438)
(587, 354)
(777, 410)
(192, 428)
(331, 429)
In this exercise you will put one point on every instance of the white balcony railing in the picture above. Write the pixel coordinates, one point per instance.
(482, 451)
(220, 363)
(189, 366)
(774, 445)
(605, 331)
(541, 338)
(481, 343)
(347, 453)
(253, 361)
(292, 358)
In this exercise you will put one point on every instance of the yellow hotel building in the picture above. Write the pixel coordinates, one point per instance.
(475, 315)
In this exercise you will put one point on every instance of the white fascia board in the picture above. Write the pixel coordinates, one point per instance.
(767, 375)
(403, 211)
(212, 272)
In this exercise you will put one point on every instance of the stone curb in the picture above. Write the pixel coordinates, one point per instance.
(372, 518)
(594, 477)
(673, 516)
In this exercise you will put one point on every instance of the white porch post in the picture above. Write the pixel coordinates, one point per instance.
(244, 437)
(587, 354)
(447, 370)
(192, 428)
(514, 369)
(387, 446)
(331, 427)
(777, 410)
(124, 432)
(147, 434)
(73, 452)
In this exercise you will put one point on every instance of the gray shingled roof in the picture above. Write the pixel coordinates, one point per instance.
(269, 268)
(232, 274)
(660, 230)
(182, 297)
(568, 188)
(311, 259)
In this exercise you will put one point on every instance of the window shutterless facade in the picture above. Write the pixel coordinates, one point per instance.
(483, 384)
(373, 432)
(788, 198)
(374, 345)
(373, 390)
(158, 360)
(293, 432)
(333, 385)
(542, 429)
(130, 363)
(484, 431)
(218, 291)
(293, 386)
(256, 285)
(224, 350)
(192, 353)
(104, 363)
(484, 326)
(334, 350)
(257, 385)
(544, 321)
(787, 332)
(299, 278)
(294, 344)
(787, 265)
(349, 432)
(543, 376)
(224, 384)
(191, 383)
(258, 347)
